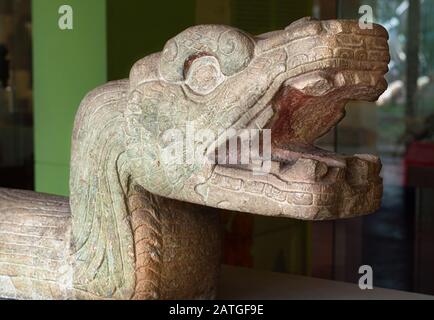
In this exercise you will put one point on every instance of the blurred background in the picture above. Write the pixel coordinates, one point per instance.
(46, 71)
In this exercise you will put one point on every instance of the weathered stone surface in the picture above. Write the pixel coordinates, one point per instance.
(131, 233)
(35, 235)
(176, 249)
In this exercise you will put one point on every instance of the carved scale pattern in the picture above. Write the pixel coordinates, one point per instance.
(148, 243)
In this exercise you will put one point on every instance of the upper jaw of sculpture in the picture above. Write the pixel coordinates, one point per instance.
(328, 63)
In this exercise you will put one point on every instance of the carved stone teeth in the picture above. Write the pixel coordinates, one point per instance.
(322, 86)
(359, 78)
(362, 77)
(317, 84)
(361, 167)
(374, 162)
(336, 173)
(378, 81)
(375, 78)
(304, 169)
(339, 80)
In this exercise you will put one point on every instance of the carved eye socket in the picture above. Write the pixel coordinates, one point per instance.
(204, 75)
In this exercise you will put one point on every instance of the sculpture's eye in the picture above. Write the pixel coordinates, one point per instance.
(203, 74)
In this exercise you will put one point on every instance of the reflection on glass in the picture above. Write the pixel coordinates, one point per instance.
(399, 128)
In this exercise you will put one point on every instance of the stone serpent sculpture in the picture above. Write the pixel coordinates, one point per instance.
(138, 226)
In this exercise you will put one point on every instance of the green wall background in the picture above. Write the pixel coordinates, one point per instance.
(136, 28)
(107, 38)
(67, 64)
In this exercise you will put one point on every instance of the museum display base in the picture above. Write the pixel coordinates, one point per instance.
(248, 284)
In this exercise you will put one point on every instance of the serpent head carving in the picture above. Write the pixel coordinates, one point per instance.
(295, 82)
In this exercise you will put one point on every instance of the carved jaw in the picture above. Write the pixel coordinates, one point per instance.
(306, 182)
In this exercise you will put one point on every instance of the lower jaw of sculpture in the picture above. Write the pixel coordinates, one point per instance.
(307, 190)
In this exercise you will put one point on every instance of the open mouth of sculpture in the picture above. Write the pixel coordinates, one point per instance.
(304, 181)
(296, 117)
(299, 117)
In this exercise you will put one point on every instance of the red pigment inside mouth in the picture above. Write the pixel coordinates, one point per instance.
(287, 101)
(300, 119)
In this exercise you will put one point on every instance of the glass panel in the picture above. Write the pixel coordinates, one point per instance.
(396, 241)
